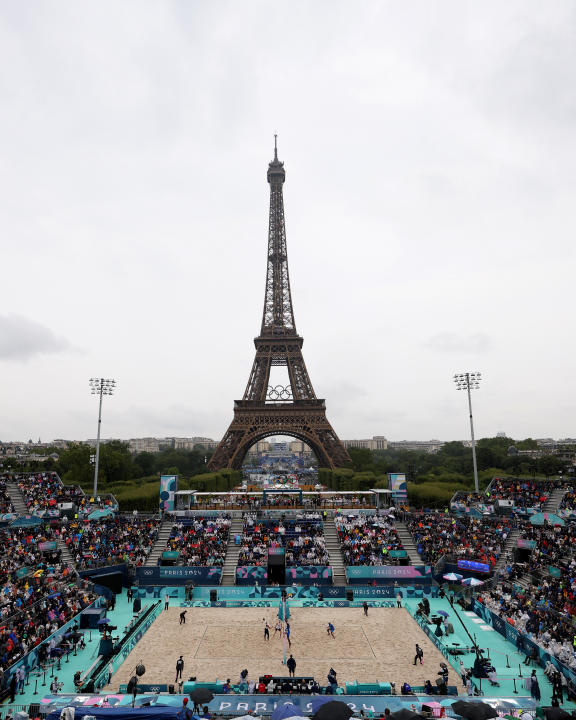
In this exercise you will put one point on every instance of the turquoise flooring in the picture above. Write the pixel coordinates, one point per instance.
(500, 651)
(39, 684)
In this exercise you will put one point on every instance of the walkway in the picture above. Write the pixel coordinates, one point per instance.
(164, 532)
(334, 551)
(552, 505)
(408, 543)
(16, 497)
(232, 553)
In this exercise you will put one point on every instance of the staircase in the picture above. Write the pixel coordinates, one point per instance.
(408, 542)
(16, 498)
(232, 552)
(67, 556)
(335, 553)
(553, 503)
(164, 532)
(507, 550)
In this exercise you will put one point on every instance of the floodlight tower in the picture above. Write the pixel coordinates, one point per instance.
(101, 387)
(470, 381)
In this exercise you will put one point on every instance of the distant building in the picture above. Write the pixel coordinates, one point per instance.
(378, 442)
(139, 445)
(428, 446)
(156, 445)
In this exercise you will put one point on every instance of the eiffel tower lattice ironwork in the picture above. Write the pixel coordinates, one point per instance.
(292, 410)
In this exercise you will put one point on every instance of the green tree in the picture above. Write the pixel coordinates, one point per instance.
(74, 465)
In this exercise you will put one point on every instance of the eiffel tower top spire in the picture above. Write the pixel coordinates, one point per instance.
(278, 315)
(267, 410)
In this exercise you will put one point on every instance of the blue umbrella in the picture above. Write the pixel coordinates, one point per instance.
(283, 712)
(104, 621)
(442, 612)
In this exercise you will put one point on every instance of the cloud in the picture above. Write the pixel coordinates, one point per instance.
(22, 339)
(455, 343)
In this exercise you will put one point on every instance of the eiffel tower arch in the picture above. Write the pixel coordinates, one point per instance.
(293, 409)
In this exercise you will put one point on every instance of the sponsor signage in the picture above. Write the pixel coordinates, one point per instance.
(178, 575)
(47, 546)
(231, 705)
(474, 566)
(397, 484)
(526, 544)
(359, 573)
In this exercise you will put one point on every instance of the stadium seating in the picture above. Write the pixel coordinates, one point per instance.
(110, 540)
(200, 541)
(302, 538)
(440, 534)
(368, 539)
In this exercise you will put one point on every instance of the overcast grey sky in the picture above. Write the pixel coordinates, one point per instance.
(430, 158)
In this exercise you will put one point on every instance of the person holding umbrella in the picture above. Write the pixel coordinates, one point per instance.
(201, 695)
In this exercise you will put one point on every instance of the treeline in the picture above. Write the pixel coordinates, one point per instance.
(433, 478)
(133, 478)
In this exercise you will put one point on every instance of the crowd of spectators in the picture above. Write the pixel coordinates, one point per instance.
(437, 534)
(302, 538)
(110, 540)
(544, 612)
(36, 593)
(368, 539)
(554, 546)
(5, 502)
(569, 500)
(523, 493)
(203, 541)
(43, 491)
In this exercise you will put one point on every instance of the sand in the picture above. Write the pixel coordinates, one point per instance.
(217, 643)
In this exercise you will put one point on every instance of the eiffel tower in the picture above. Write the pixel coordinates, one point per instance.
(294, 409)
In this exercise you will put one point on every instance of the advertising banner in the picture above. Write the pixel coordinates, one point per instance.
(251, 575)
(397, 484)
(301, 575)
(232, 705)
(309, 575)
(474, 566)
(47, 546)
(179, 575)
(526, 544)
(361, 574)
(168, 486)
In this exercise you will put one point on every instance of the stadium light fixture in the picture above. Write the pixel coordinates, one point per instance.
(100, 387)
(470, 381)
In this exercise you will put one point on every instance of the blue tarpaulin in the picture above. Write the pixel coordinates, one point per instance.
(122, 713)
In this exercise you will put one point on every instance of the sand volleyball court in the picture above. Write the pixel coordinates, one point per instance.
(217, 643)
